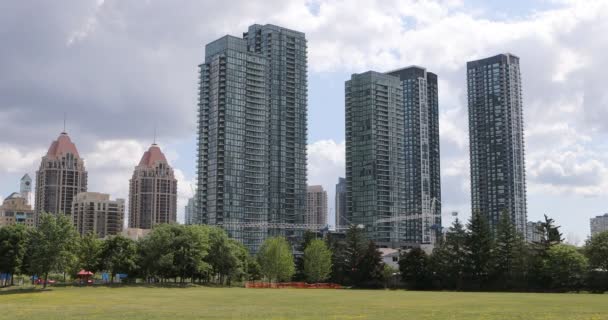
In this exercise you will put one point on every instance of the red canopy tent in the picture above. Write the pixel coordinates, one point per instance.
(84, 275)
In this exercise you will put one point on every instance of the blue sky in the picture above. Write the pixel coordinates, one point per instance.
(117, 68)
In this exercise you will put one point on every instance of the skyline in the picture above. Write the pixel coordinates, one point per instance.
(148, 76)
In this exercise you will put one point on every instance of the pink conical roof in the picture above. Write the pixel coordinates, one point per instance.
(152, 156)
(61, 146)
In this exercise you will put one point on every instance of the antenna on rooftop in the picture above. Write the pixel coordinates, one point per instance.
(64, 116)
(154, 141)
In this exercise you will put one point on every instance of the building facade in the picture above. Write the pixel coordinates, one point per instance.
(375, 164)
(94, 212)
(15, 209)
(533, 235)
(190, 211)
(340, 203)
(252, 133)
(421, 151)
(316, 206)
(496, 134)
(152, 191)
(599, 224)
(60, 177)
(25, 188)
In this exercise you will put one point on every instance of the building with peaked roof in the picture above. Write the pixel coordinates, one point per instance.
(25, 187)
(16, 210)
(152, 191)
(94, 212)
(60, 177)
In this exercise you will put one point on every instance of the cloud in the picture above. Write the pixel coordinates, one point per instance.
(326, 162)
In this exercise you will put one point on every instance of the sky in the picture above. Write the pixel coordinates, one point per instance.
(117, 69)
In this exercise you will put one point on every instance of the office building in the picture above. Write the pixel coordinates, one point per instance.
(94, 212)
(375, 166)
(15, 209)
(340, 203)
(60, 177)
(252, 134)
(152, 191)
(599, 224)
(316, 206)
(496, 134)
(533, 235)
(422, 203)
(190, 211)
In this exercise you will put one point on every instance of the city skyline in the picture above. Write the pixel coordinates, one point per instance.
(152, 78)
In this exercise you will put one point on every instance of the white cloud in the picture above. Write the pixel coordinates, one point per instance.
(326, 161)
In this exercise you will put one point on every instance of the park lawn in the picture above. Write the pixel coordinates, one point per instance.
(239, 303)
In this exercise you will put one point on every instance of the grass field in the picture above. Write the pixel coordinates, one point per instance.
(239, 303)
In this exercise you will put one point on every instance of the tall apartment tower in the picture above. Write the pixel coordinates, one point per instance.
(421, 146)
(340, 203)
(316, 206)
(599, 224)
(252, 133)
(60, 177)
(190, 211)
(375, 164)
(496, 134)
(94, 212)
(152, 191)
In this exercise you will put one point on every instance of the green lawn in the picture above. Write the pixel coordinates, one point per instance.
(239, 303)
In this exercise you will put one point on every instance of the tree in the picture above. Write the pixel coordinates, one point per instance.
(118, 255)
(88, 253)
(221, 257)
(565, 266)
(299, 258)
(449, 259)
(415, 269)
(317, 261)
(155, 253)
(353, 253)
(509, 253)
(596, 250)
(479, 245)
(13, 245)
(52, 245)
(276, 260)
(369, 270)
(190, 246)
(549, 233)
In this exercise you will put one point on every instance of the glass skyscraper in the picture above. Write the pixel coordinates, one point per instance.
(340, 203)
(375, 164)
(252, 134)
(421, 145)
(498, 179)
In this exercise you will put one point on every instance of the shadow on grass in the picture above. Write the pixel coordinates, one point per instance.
(9, 290)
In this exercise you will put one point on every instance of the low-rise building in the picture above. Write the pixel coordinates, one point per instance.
(95, 212)
(16, 210)
(599, 224)
(390, 257)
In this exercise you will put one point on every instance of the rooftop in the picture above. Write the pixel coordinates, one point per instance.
(152, 157)
(62, 146)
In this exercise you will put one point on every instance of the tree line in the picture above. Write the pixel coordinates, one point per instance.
(476, 257)
(471, 257)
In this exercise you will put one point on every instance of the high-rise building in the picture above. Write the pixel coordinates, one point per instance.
(496, 134)
(190, 211)
(316, 206)
(340, 205)
(152, 191)
(94, 212)
(15, 209)
(25, 188)
(599, 224)
(61, 176)
(252, 133)
(533, 235)
(375, 165)
(422, 205)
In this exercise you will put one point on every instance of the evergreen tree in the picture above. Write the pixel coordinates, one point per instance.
(549, 233)
(370, 268)
(509, 253)
(415, 268)
(354, 250)
(449, 259)
(479, 245)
